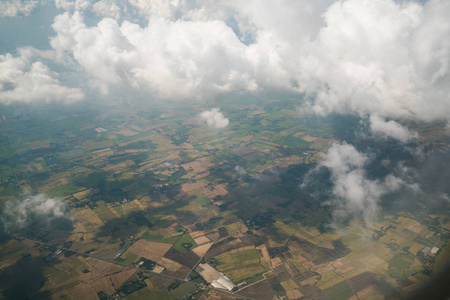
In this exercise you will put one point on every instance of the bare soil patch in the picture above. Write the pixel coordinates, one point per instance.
(150, 250)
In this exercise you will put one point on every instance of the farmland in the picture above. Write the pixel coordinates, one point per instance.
(141, 184)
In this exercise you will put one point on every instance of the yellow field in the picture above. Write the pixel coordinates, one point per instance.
(328, 280)
(150, 250)
(84, 194)
(233, 229)
(289, 285)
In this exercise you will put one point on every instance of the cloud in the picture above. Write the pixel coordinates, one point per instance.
(178, 60)
(362, 57)
(73, 5)
(365, 57)
(26, 79)
(107, 8)
(214, 118)
(18, 214)
(391, 129)
(382, 57)
(14, 8)
(240, 170)
(355, 195)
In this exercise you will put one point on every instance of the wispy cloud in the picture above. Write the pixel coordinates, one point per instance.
(14, 8)
(391, 129)
(18, 214)
(354, 195)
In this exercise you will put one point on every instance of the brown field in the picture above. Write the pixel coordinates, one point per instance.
(118, 279)
(83, 291)
(312, 292)
(190, 187)
(242, 227)
(289, 284)
(169, 264)
(84, 194)
(276, 262)
(188, 259)
(367, 291)
(241, 249)
(343, 265)
(362, 281)
(217, 190)
(87, 219)
(309, 281)
(196, 234)
(322, 268)
(198, 166)
(108, 249)
(213, 235)
(150, 250)
(308, 138)
(264, 257)
(119, 167)
(104, 276)
(202, 240)
(103, 284)
(201, 250)
(293, 294)
(127, 132)
(261, 290)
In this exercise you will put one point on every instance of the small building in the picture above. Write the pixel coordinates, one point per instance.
(434, 250)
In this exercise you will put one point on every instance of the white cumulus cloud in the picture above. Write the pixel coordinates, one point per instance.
(214, 118)
(25, 78)
(365, 57)
(178, 60)
(382, 57)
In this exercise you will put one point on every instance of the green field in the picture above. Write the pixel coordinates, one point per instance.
(185, 240)
(241, 265)
(340, 291)
(127, 258)
(202, 200)
(183, 289)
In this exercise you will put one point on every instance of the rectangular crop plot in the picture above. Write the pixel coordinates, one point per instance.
(341, 290)
(241, 265)
(150, 250)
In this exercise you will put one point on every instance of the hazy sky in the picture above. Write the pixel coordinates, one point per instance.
(379, 59)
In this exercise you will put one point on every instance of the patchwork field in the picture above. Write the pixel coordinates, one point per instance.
(250, 199)
(240, 265)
